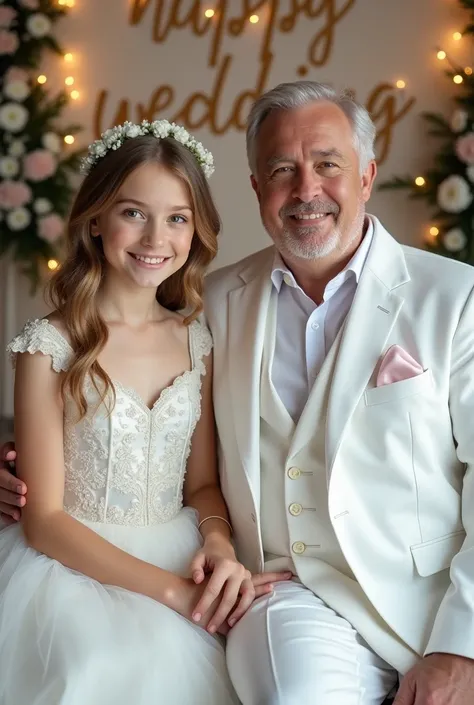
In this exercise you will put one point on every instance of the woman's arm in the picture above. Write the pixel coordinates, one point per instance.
(40, 463)
(202, 491)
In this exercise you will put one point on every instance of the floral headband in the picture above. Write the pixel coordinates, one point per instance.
(116, 136)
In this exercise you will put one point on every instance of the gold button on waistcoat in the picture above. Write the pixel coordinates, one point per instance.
(294, 473)
(298, 547)
(295, 509)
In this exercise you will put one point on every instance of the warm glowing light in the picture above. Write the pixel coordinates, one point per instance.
(400, 84)
(69, 139)
(441, 55)
(61, 2)
(254, 19)
(209, 13)
(468, 70)
(42, 78)
(53, 264)
(69, 81)
(68, 57)
(458, 78)
(70, 3)
(419, 181)
(457, 36)
(434, 231)
(75, 95)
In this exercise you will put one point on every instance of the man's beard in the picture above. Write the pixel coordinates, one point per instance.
(306, 245)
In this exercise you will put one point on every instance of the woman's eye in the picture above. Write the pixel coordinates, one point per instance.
(178, 219)
(132, 213)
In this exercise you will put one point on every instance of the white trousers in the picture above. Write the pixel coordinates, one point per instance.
(292, 649)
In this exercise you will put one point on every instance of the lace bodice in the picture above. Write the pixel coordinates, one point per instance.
(126, 467)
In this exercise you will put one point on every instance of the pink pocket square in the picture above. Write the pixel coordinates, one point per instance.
(396, 366)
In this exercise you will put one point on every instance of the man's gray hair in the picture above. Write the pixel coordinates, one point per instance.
(298, 94)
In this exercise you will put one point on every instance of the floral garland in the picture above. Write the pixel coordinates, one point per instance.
(35, 171)
(449, 186)
(116, 136)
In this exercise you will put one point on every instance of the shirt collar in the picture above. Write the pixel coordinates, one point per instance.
(281, 274)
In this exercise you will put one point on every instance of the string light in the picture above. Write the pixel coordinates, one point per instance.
(441, 55)
(53, 264)
(70, 3)
(75, 94)
(419, 181)
(69, 81)
(42, 79)
(468, 71)
(400, 84)
(61, 2)
(209, 13)
(434, 231)
(69, 139)
(457, 36)
(254, 19)
(68, 57)
(458, 78)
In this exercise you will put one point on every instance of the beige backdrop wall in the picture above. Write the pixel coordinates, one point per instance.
(132, 60)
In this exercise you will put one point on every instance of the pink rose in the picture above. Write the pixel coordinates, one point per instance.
(14, 73)
(39, 165)
(50, 227)
(29, 4)
(7, 15)
(8, 42)
(14, 194)
(465, 148)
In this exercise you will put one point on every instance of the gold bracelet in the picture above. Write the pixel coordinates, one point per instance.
(215, 517)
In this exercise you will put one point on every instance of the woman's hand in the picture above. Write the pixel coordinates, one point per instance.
(228, 583)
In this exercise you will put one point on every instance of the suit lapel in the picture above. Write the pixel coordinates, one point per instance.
(370, 320)
(248, 307)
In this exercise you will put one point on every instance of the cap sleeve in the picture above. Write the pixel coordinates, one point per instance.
(41, 336)
(201, 344)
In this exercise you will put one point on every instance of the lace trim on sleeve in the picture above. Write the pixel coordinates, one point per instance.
(200, 344)
(40, 336)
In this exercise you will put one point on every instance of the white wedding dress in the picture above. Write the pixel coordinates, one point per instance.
(66, 639)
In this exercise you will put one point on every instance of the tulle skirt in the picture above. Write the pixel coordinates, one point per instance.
(65, 639)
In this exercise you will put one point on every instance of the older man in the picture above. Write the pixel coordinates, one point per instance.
(344, 398)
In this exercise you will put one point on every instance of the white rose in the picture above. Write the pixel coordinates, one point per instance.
(459, 120)
(18, 219)
(470, 173)
(13, 117)
(454, 240)
(454, 194)
(16, 90)
(9, 167)
(16, 148)
(42, 206)
(51, 142)
(38, 25)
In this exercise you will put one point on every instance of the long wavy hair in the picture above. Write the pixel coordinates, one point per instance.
(74, 287)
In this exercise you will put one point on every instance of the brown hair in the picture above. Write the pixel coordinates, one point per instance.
(73, 288)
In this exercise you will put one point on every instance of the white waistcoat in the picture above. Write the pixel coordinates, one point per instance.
(297, 532)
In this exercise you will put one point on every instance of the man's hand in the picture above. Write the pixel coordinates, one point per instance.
(12, 490)
(438, 679)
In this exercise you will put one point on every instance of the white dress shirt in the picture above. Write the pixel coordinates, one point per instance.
(306, 331)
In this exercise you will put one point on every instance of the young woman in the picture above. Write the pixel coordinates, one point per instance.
(115, 437)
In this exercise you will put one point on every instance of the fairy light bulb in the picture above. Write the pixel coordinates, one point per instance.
(457, 36)
(441, 55)
(53, 264)
(75, 95)
(420, 181)
(468, 70)
(69, 81)
(434, 231)
(400, 84)
(458, 78)
(42, 79)
(69, 139)
(68, 57)
(209, 13)
(254, 19)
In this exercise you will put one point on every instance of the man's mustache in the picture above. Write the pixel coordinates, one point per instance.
(314, 206)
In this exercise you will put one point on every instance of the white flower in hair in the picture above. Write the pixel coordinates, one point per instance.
(114, 138)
